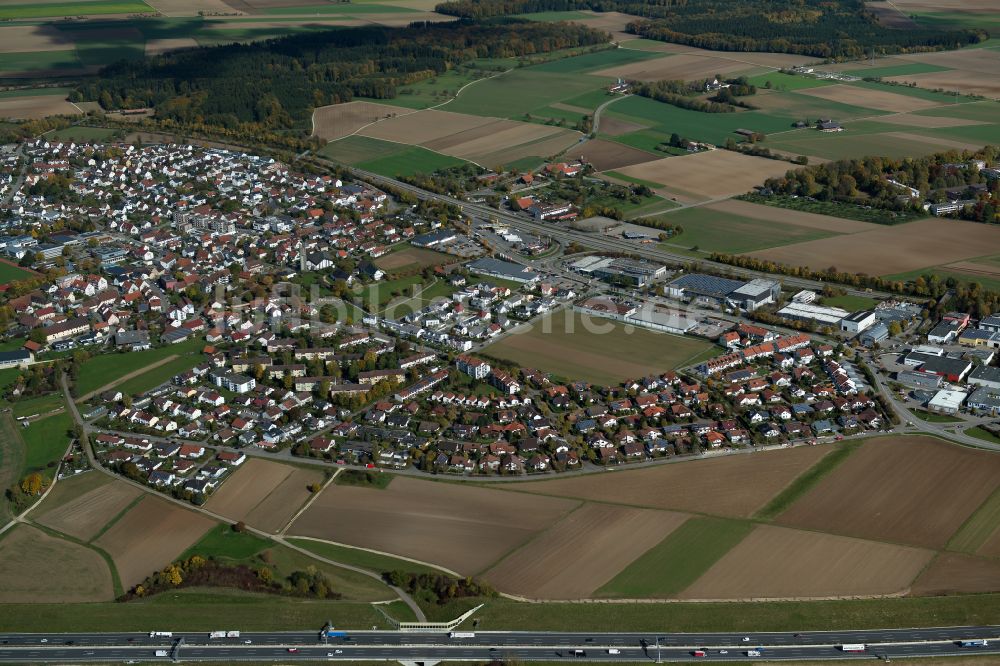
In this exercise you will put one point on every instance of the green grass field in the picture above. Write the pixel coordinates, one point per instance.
(680, 559)
(944, 274)
(82, 8)
(631, 179)
(344, 8)
(401, 307)
(897, 70)
(83, 133)
(46, 441)
(979, 527)
(714, 231)
(851, 303)
(982, 111)
(754, 616)
(377, 294)
(807, 480)
(223, 541)
(695, 125)
(361, 558)
(37, 61)
(598, 350)
(106, 368)
(594, 61)
(387, 158)
(525, 92)
(782, 81)
(857, 141)
(982, 434)
(160, 374)
(12, 273)
(40, 405)
(11, 458)
(931, 417)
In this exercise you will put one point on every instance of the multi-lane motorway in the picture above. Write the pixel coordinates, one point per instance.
(484, 646)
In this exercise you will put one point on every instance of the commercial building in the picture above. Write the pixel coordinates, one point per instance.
(755, 293)
(875, 334)
(926, 381)
(985, 399)
(857, 322)
(724, 291)
(634, 272)
(985, 375)
(947, 402)
(820, 314)
(505, 270)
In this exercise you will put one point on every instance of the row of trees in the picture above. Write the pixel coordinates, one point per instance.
(821, 28)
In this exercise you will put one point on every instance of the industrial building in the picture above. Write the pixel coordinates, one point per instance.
(946, 402)
(505, 270)
(857, 322)
(634, 272)
(820, 314)
(722, 291)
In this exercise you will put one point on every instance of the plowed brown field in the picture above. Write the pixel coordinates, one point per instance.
(82, 516)
(150, 536)
(709, 175)
(339, 120)
(915, 490)
(777, 563)
(730, 486)
(951, 573)
(459, 527)
(38, 568)
(684, 66)
(606, 155)
(599, 540)
(869, 98)
(915, 245)
(263, 493)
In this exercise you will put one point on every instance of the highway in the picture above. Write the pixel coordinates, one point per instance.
(484, 646)
(596, 241)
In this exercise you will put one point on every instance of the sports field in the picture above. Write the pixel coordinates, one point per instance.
(595, 350)
(412, 259)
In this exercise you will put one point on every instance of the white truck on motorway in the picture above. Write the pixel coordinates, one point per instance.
(614, 651)
(753, 653)
(224, 634)
(163, 653)
(462, 634)
(161, 634)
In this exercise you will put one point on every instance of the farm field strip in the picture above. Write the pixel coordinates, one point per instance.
(951, 573)
(980, 526)
(149, 536)
(84, 516)
(681, 558)
(599, 539)
(919, 491)
(928, 242)
(709, 485)
(463, 528)
(36, 567)
(780, 563)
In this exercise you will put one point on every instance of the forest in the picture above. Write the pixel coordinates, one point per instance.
(867, 181)
(273, 85)
(820, 28)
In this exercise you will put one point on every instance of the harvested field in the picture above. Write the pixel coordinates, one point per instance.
(149, 536)
(157, 46)
(969, 83)
(606, 155)
(930, 242)
(38, 568)
(617, 126)
(982, 61)
(778, 563)
(793, 217)
(928, 122)
(683, 66)
(84, 515)
(36, 106)
(595, 349)
(915, 490)
(951, 573)
(425, 126)
(507, 134)
(264, 494)
(869, 98)
(413, 258)
(708, 175)
(713, 485)
(463, 528)
(33, 38)
(612, 537)
(485, 129)
(554, 144)
(338, 120)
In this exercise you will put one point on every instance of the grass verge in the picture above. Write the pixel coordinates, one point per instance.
(805, 481)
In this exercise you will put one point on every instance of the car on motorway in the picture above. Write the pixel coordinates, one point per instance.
(293, 650)
(247, 642)
(335, 652)
(723, 651)
(746, 639)
(45, 640)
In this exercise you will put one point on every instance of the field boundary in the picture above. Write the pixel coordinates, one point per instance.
(373, 552)
(118, 516)
(806, 481)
